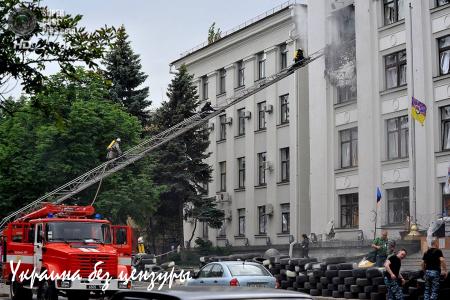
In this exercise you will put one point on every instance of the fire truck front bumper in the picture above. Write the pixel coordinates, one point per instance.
(94, 285)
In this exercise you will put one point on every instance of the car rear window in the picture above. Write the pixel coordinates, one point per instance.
(247, 270)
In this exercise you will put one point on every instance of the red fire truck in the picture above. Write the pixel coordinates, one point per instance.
(58, 238)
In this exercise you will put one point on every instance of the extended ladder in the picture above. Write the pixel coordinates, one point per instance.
(137, 152)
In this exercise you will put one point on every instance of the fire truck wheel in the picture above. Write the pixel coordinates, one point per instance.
(18, 292)
(47, 291)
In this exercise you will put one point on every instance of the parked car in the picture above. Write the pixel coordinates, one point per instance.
(212, 293)
(233, 273)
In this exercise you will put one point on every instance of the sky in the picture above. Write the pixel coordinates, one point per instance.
(160, 30)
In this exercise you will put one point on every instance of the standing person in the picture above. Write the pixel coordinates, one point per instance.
(380, 244)
(114, 149)
(305, 246)
(433, 263)
(392, 277)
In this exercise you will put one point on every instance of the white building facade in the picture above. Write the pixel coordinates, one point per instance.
(344, 119)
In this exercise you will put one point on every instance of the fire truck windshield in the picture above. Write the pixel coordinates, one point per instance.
(78, 231)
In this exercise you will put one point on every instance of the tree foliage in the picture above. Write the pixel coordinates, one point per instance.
(180, 164)
(73, 45)
(41, 151)
(124, 71)
(213, 34)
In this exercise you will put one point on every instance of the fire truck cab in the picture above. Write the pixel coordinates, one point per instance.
(65, 240)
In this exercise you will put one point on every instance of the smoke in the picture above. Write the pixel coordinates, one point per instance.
(340, 54)
(301, 24)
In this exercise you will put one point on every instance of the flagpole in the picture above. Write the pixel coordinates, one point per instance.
(413, 124)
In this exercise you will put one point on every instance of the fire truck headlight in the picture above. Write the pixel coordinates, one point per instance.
(65, 284)
(124, 285)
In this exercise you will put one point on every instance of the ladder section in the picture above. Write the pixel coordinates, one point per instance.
(139, 151)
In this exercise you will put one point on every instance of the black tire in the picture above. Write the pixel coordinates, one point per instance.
(350, 280)
(295, 285)
(332, 287)
(337, 280)
(334, 260)
(318, 273)
(336, 294)
(377, 296)
(319, 286)
(378, 281)
(301, 278)
(359, 273)
(18, 292)
(333, 267)
(345, 266)
(326, 293)
(363, 296)
(349, 295)
(355, 288)
(345, 273)
(382, 289)
(314, 292)
(373, 272)
(324, 280)
(307, 285)
(47, 291)
(341, 288)
(368, 289)
(331, 273)
(362, 282)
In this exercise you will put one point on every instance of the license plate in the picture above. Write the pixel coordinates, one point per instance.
(258, 285)
(94, 287)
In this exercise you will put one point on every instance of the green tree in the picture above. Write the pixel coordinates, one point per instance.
(213, 34)
(40, 151)
(74, 45)
(180, 164)
(124, 71)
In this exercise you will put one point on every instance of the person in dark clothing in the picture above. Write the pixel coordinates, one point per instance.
(207, 108)
(392, 277)
(299, 56)
(433, 263)
(305, 246)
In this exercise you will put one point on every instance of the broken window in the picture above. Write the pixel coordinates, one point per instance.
(285, 218)
(394, 11)
(444, 55)
(395, 69)
(398, 205)
(284, 109)
(345, 93)
(349, 210)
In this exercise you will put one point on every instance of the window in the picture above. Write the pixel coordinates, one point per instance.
(205, 272)
(222, 76)
(398, 205)
(442, 2)
(445, 201)
(284, 109)
(397, 137)
(261, 65)
(445, 127)
(205, 230)
(241, 123)
(394, 11)
(261, 115)
(444, 55)
(241, 217)
(283, 56)
(284, 164)
(262, 168)
(223, 127)
(240, 73)
(349, 210)
(262, 218)
(349, 147)
(241, 172)
(285, 218)
(345, 93)
(395, 69)
(223, 230)
(216, 271)
(205, 87)
(223, 176)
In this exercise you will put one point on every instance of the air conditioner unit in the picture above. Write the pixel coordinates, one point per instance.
(247, 114)
(223, 197)
(269, 109)
(211, 126)
(229, 120)
(268, 165)
(228, 215)
(269, 209)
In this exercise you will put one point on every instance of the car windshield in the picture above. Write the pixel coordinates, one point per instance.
(247, 270)
(78, 231)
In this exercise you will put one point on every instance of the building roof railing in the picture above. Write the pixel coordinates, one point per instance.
(245, 24)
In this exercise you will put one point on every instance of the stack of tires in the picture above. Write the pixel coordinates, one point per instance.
(289, 273)
(336, 271)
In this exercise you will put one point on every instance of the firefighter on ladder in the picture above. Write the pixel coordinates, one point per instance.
(299, 58)
(114, 149)
(207, 109)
